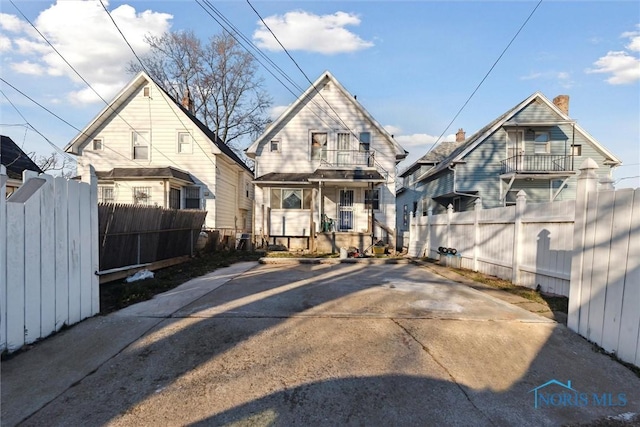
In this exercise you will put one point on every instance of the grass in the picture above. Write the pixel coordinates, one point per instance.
(117, 295)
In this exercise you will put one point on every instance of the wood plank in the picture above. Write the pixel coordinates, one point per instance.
(47, 259)
(15, 275)
(587, 267)
(61, 229)
(32, 254)
(86, 261)
(629, 339)
(3, 259)
(75, 277)
(601, 257)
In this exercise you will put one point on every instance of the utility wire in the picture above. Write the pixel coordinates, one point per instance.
(485, 77)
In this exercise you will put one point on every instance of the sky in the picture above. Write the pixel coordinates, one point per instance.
(423, 69)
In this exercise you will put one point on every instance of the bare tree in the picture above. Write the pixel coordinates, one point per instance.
(54, 164)
(222, 78)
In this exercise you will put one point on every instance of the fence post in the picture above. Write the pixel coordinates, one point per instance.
(3, 260)
(429, 222)
(476, 233)
(587, 182)
(521, 203)
(449, 219)
(606, 183)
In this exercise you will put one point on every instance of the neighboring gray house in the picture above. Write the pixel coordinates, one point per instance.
(535, 147)
(16, 161)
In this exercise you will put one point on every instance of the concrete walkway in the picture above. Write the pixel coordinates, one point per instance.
(317, 344)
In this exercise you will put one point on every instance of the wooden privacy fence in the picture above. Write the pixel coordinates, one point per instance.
(132, 235)
(604, 302)
(48, 256)
(528, 244)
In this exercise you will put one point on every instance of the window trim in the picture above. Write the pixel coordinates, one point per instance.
(518, 144)
(362, 143)
(141, 195)
(546, 144)
(305, 201)
(277, 145)
(101, 194)
(373, 202)
(186, 190)
(323, 149)
(579, 149)
(190, 144)
(146, 91)
(93, 144)
(135, 134)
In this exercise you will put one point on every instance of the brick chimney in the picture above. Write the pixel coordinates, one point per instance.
(562, 102)
(187, 102)
(460, 135)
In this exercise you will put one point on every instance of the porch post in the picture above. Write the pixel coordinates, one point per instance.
(312, 231)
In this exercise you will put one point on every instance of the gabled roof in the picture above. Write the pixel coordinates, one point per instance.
(14, 159)
(505, 119)
(401, 153)
(435, 156)
(121, 98)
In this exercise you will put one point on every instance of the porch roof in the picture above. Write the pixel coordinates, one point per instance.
(145, 173)
(329, 175)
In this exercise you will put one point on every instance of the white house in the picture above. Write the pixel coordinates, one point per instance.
(147, 148)
(325, 174)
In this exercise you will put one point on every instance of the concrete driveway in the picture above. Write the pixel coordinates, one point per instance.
(347, 344)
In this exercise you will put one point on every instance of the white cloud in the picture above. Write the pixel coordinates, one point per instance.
(27, 67)
(277, 110)
(83, 33)
(5, 43)
(563, 78)
(300, 30)
(623, 66)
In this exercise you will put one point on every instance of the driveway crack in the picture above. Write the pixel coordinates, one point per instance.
(435, 359)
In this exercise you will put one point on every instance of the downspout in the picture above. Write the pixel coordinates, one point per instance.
(454, 184)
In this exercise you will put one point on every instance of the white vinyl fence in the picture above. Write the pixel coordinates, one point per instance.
(48, 257)
(604, 303)
(528, 244)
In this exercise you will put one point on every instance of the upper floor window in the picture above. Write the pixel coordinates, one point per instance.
(372, 199)
(184, 142)
(146, 91)
(274, 146)
(541, 143)
(576, 150)
(98, 144)
(365, 141)
(319, 145)
(140, 145)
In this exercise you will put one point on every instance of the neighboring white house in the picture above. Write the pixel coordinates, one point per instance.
(325, 174)
(147, 148)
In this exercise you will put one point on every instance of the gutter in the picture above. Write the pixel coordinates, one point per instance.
(454, 184)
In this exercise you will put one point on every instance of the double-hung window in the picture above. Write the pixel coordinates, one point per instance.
(98, 144)
(184, 143)
(192, 197)
(319, 146)
(140, 141)
(541, 143)
(372, 199)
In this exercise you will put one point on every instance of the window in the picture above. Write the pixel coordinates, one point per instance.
(174, 198)
(372, 199)
(140, 145)
(184, 142)
(141, 195)
(541, 143)
(97, 144)
(192, 197)
(576, 150)
(365, 141)
(146, 92)
(510, 199)
(290, 198)
(247, 189)
(274, 146)
(425, 206)
(105, 194)
(405, 215)
(319, 146)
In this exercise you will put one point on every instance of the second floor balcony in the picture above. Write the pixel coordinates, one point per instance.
(538, 163)
(344, 158)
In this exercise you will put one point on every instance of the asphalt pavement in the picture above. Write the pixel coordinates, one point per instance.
(317, 344)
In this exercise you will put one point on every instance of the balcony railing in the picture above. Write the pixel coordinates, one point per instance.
(537, 163)
(344, 158)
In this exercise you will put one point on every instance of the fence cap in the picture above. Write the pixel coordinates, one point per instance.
(589, 164)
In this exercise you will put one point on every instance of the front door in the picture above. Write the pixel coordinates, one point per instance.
(345, 210)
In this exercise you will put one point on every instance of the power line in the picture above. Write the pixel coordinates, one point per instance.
(485, 77)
